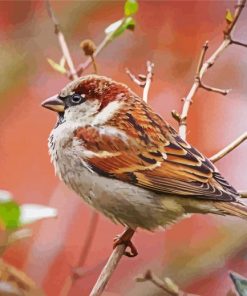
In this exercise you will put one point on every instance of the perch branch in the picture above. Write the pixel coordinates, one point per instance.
(229, 148)
(204, 66)
(108, 269)
(144, 80)
(61, 40)
(169, 287)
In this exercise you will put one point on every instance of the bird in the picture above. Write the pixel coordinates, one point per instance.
(128, 163)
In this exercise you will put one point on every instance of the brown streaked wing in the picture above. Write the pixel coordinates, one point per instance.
(152, 156)
(169, 168)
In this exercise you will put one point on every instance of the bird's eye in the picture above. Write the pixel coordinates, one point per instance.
(77, 99)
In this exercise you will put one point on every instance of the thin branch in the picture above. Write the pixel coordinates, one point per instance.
(201, 58)
(203, 67)
(134, 79)
(223, 92)
(229, 148)
(61, 40)
(167, 285)
(243, 194)
(108, 269)
(238, 9)
(239, 43)
(149, 77)
(144, 80)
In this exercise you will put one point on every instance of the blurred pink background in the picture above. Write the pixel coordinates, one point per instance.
(198, 252)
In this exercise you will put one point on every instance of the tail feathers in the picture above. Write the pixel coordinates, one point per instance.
(236, 209)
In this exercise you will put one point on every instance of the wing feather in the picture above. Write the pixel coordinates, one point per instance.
(148, 153)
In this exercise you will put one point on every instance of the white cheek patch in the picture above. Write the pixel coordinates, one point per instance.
(82, 114)
(107, 113)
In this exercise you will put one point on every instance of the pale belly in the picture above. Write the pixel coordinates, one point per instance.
(127, 204)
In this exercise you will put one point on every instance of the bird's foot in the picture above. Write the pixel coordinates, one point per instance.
(125, 239)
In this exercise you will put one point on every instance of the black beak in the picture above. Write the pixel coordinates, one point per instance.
(54, 104)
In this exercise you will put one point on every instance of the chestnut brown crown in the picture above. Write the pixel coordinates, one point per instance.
(86, 88)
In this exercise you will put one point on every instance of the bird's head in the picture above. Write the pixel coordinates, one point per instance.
(90, 99)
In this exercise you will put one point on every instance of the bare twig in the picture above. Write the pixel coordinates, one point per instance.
(61, 40)
(149, 77)
(229, 148)
(223, 92)
(203, 67)
(167, 285)
(109, 268)
(144, 80)
(239, 43)
(243, 194)
(134, 79)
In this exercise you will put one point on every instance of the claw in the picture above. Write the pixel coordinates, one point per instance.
(125, 238)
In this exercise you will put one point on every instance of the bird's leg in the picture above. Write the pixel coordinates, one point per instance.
(125, 238)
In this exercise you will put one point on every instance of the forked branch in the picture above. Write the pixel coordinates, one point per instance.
(204, 66)
(143, 80)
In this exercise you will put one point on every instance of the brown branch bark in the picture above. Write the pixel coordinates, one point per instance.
(108, 270)
(204, 66)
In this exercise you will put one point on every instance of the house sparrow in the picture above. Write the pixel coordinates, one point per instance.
(124, 160)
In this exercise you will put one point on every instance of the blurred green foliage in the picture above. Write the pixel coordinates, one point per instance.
(9, 214)
(130, 7)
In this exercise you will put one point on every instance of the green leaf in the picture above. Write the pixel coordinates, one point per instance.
(240, 283)
(9, 214)
(57, 67)
(229, 16)
(118, 27)
(130, 7)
